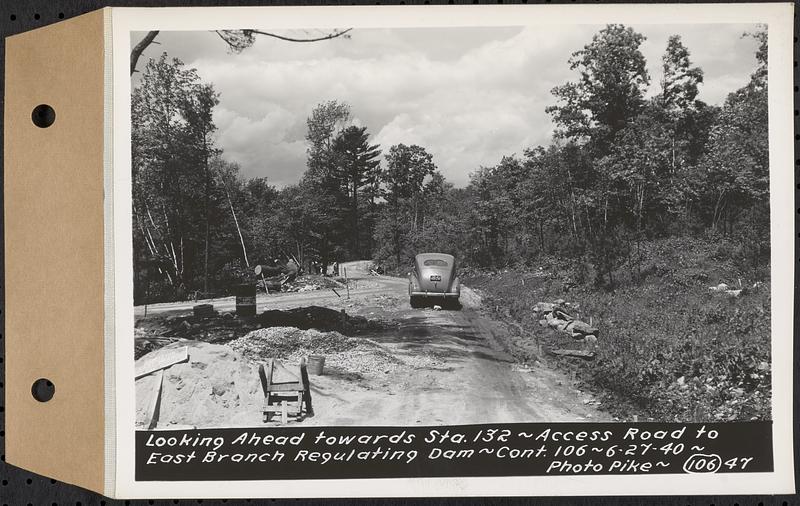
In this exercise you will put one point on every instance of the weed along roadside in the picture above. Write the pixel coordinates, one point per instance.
(671, 347)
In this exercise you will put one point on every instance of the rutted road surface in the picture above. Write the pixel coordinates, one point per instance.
(472, 378)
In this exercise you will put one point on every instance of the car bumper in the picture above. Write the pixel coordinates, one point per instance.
(453, 295)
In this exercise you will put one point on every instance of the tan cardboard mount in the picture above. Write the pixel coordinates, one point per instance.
(54, 250)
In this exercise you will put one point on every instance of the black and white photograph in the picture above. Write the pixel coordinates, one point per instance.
(455, 225)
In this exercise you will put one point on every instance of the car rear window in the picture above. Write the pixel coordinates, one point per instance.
(437, 262)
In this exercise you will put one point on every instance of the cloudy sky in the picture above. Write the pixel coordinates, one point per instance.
(469, 95)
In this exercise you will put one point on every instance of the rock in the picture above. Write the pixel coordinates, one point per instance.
(583, 328)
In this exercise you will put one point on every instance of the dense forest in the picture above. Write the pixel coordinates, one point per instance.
(631, 161)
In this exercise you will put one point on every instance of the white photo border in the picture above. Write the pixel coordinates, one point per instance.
(777, 16)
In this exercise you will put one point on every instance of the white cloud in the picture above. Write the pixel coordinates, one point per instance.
(469, 95)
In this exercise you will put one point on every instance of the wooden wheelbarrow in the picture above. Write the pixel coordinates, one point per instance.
(286, 397)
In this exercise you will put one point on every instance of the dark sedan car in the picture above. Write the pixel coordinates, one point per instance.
(434, 279)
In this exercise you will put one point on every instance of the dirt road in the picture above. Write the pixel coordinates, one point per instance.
(475, 382)
(458, 372)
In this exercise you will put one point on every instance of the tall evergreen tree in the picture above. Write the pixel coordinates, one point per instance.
(358, 161)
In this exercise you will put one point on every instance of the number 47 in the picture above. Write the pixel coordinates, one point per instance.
(737, 462)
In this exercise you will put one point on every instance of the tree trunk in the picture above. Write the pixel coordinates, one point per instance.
(356, 251)
(235, 220)
(207, 214)
(139, 48)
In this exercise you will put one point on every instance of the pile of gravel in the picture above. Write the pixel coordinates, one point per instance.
(290, 344)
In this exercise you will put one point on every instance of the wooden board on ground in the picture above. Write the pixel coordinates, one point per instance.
(165, 358)
(155, 401)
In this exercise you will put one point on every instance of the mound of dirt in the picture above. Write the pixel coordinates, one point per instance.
(353, 355)
(217, 387)
(318, 317)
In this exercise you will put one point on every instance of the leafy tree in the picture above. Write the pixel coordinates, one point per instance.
(610, 90)
(323, 179)
(407, 168)
(679, 84)
(171, 140)
(196, 107)
(758, 80)
(735, 167)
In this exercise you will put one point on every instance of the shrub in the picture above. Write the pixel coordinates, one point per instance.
(669, 348)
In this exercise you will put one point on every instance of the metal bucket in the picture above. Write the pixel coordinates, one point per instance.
(246, 300)
(316, 364)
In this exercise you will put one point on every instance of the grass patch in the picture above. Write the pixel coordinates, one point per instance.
(669, 348)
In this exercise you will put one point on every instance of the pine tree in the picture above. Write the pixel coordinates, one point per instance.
(358, 161)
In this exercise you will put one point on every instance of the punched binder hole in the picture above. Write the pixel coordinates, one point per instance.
(43, 390)
(43, 116)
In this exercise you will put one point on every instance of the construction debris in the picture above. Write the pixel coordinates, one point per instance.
(154, 363)
(310, 283)
(724, 288)
(558, 316)
(145, 342)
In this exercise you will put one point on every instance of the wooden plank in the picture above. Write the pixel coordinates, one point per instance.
(299, 406)
(266, 380)
(164, 360)
(155, 401)
(262, 375)
(306, 387)
(278, 408)
(294, 386)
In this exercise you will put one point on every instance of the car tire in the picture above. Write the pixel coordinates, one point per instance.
(416, 301)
